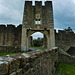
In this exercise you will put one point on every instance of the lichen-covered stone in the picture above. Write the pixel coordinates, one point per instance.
(3, 68)
(19, 72)
(14, 66)
(31, 63)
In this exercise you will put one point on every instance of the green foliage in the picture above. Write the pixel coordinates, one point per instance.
(65, 69)
(38, 42)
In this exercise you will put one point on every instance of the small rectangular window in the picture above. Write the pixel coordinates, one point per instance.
(37, 22)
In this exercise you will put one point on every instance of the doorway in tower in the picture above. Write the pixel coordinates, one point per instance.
(36, 41)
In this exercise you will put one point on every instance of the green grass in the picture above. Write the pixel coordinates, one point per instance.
(2, 54)
(37, 47)
(65, 69)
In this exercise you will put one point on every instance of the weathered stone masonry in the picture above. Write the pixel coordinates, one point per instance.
(38, 18)
(65, 39)
(19, 36)
(66, 58)
(41, 62)
(10, 38)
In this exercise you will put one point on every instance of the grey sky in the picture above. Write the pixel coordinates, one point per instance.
(11, 12)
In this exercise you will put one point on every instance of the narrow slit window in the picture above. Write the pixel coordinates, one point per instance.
(36, 22)
(39, 22)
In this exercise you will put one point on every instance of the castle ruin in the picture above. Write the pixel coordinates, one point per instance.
(40, 62)
(36, 18)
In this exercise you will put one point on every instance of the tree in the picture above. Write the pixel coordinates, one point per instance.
(38, 42)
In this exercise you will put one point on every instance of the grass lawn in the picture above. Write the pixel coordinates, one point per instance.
(37, 47)
(65, 69)
(2, 54)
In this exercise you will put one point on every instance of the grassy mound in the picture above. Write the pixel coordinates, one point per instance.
(65, 69)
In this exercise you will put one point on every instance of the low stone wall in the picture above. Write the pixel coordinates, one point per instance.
(66, 58)
(9, 49)
(41, 62)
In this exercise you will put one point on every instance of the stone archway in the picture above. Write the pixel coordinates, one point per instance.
(44, 38)
(48, 34)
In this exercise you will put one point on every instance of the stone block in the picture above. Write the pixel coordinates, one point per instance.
(14, 66)
(19, 72)
(3, 68)
(14, 73)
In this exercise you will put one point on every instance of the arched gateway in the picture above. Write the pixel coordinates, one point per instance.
(38, 18)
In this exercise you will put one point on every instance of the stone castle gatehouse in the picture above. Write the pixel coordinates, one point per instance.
(36, 18)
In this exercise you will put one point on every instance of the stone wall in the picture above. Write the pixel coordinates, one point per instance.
(41, 62)
(10, 36)
(65, 39)
(9, 49)
(2, 34)
(66, 58)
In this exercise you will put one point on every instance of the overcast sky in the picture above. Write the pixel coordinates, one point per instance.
(11, 12)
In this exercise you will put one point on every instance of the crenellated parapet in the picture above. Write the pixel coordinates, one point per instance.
(38, 13)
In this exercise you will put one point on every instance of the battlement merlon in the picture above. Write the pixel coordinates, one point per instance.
(2, 25)
(47, 3)
(38, 3)
(28, 3)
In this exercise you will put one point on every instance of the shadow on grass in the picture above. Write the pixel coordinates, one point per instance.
(65, 69)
